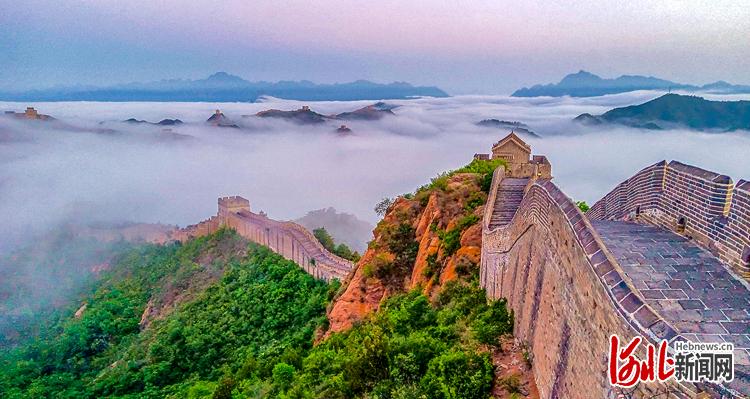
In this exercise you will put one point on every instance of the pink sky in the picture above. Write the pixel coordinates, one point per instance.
(464, 46)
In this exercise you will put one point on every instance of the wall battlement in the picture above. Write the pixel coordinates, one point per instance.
(703, 205)
(288, 239)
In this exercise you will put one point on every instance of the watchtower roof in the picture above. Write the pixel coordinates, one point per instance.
(513, 138)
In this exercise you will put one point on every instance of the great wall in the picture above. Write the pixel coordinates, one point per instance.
(663, 256)
(660, 257)
(288, 239)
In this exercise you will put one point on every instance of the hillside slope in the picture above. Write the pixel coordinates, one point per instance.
(423, 241)
(170, 321)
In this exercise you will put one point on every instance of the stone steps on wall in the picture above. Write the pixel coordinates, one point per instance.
(509, 195)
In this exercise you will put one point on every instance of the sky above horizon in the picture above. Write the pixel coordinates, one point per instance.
(482, 46)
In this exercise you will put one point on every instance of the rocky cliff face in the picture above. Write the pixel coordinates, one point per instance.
(424, 240)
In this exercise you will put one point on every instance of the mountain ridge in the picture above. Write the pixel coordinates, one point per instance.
(225, 87)
(587, 84)
(674, 110)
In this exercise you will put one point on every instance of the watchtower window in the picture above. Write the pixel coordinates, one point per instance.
(638, 210)
(746, 256)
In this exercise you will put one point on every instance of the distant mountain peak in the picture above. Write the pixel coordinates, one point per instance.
(224, 77)
(719, 84)
(583, 74)
(225, 87)
(580, 78)
(587, 84)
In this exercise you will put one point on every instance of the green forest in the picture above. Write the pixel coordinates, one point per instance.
(218, 317)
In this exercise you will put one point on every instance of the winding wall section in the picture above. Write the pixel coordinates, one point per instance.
(288, 239)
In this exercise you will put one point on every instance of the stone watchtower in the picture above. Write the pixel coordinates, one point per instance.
(512, 149)
(517, 154)
(233, 204)
(31, 113)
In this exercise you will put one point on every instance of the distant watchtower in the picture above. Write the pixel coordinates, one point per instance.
(517, 154)
(233, 204)
(31, 113)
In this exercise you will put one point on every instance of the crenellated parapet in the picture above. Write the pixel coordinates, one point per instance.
(702, 205)
(641, 192)
(288, 239)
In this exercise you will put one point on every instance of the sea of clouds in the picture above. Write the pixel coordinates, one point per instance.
(89, 166)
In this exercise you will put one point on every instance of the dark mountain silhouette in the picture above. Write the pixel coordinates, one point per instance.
(586, 84)
(306, 116)
(371, 112)
(163, 122)
(515, 126)
(303, 116)
(344, 130)
(674, 111)
(223, 87)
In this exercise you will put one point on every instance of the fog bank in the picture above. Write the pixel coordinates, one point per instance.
(91, 167)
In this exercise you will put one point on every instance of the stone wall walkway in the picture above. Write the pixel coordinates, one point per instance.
(508, 198)
(687, 285)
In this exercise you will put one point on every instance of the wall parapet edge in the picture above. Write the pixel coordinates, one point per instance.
(699, 204)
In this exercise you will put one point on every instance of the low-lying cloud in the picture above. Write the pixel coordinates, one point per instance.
(50, 174)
